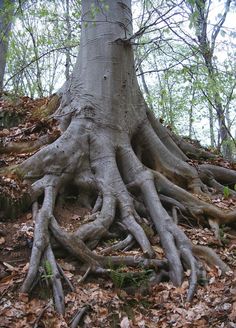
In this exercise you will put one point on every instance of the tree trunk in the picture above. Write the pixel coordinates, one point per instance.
(120, 158)
(69, 34)
(6, 15)
(207, 48)
(211, 125)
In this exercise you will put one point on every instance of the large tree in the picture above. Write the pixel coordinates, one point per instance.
(119, 159)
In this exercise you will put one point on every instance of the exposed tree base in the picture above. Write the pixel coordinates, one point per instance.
(138, 197)
(129, 185)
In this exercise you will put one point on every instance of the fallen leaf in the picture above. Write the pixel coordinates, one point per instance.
(24, 297)
(2, 240)
(125, 323)
(10, 267)
(232, 315)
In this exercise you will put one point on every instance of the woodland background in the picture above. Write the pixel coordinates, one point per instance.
(186, 66)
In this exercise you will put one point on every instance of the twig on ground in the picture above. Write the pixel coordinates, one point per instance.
(42, 313)
(65, 278)
(78, 316)
(82, 279)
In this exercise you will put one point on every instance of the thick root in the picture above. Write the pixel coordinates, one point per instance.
(124, 188)
(210, 257)
(176, 245)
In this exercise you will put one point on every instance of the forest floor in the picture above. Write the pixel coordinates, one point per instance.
(108, 302)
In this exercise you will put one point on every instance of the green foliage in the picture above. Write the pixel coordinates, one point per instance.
(222, 234)
(185, 90)
(38, 46)
(117, 278)
(48, 270)
(122, 279)
(226, 192)
(94, 10)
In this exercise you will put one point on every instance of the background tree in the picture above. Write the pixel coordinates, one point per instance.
(200, 14)
(178, 51)
(39, 50)
(6, 16)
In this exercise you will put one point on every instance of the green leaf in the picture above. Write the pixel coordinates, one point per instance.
(106, 7)
(226, 192)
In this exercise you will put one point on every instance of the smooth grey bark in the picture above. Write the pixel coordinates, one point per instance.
(6, 16)
(111, 87)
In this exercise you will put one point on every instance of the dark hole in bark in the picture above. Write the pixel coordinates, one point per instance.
(147, 160)
(142, 153)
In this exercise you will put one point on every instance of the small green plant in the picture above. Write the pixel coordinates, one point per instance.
(123, 279)
(117, 278)
(226, 192)
(203, 281)
(48, 273)
(222, 234)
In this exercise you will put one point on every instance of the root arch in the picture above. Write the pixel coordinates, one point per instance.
(109, 164)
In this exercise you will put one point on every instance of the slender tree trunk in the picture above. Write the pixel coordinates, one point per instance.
(211, 124)
(68, 29)
(207, 49)
(38, 69)
(191, 116)
(6, 16)
(146, 89)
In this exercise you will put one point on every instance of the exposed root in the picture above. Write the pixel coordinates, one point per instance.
(168, 164)
(215, 228)
(82, 279)
(122, 245)
(197, 208)
(169, 202)
(41, 238)
(73, 245)
(174, 242)
(137, 231)
(65, 278)
(27, 146)
(120, 188)
(222, 175)
(98, 205)
(78, 316)
(55, 278)
(164, 135)
(190, 150)
(97, 229)
(218, 178)
(210, 257)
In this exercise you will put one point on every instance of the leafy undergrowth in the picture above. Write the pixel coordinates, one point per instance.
(113, 302)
